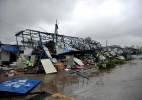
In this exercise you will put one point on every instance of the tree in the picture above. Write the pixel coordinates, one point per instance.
(88, 40)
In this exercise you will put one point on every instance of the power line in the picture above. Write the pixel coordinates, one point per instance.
(12, 24)
(9, 39)
(41, 28)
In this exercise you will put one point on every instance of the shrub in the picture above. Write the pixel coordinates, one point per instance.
(119, 61)
(100, 66)
(109, 63)
(128, 59)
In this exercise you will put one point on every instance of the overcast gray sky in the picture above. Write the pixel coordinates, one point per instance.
(117, 21)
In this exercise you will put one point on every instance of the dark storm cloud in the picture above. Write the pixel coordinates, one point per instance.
(16, 15)
(113, 20)
(32, 11)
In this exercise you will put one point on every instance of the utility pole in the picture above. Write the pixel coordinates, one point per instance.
(106, 46)
(55, 34)
(106, 43)
(56, 28)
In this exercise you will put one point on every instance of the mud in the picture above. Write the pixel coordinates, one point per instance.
(124, 82)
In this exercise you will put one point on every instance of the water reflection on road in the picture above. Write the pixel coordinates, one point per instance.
(124, 82)
(120, 83)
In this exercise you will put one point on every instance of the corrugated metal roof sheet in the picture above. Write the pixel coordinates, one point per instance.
(10, 48)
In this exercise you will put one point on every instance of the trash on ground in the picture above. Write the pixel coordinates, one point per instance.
(59, 96)
(40, 96)
(9, 73)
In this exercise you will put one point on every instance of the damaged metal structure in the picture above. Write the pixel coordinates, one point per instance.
(47, 45)
(8, 53)
(30, 37)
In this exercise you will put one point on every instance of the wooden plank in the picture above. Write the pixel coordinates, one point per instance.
(22, 57)
(78, 61)
(48, 66)
(33, 58)
(47, 52)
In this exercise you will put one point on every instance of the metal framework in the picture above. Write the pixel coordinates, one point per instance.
(33, 38)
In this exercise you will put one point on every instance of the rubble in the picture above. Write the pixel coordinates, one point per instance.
(41, 54)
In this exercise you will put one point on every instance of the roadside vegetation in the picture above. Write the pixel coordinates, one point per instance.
(109, 64)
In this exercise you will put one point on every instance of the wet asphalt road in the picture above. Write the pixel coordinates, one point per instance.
(123, 82)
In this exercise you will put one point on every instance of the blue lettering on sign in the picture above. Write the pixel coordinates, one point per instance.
(19, 85)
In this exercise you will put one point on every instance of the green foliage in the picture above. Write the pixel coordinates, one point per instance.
(109, 63)
(128, 59)
(100, 65)
(119, 61)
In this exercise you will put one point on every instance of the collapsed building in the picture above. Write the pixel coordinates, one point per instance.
(45, 49)
(8, 54)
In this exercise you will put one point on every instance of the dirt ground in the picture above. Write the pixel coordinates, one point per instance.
(123, 82)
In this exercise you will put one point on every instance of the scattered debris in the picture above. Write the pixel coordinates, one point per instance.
(9, 94)
(79, 73)
(59, 65)
(59, 96)
(40, 96)
(9, 73)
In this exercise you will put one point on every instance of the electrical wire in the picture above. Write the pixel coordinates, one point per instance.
(9, 39)
(41, 28)
(12, 24)
(19, 27)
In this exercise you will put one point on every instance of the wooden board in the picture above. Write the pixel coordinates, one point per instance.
(33, 58)
(78, 61)
(48, 66)
(47, 52)
(23, 57)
